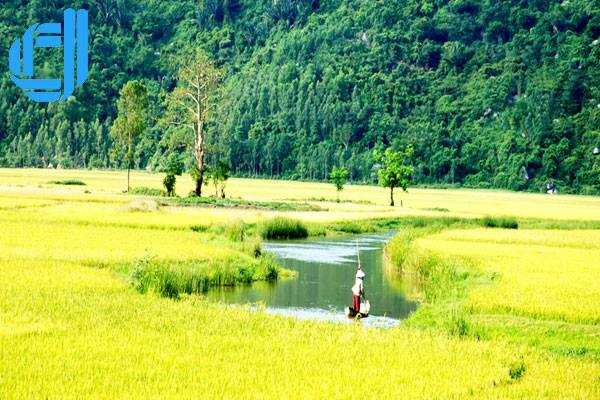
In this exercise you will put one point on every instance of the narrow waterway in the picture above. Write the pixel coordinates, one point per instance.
(321, 291)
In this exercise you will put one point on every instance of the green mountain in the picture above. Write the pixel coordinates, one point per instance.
(489, 93)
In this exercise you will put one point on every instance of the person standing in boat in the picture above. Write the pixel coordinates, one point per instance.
(358, 289)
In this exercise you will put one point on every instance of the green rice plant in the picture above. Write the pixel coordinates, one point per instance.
(236, 231)
(500, 222)
(457, 324)
(200, 228)
(283, 228)
(397, 251)
(251, 246)
(353, 227)
(317, 230)
(68, 182)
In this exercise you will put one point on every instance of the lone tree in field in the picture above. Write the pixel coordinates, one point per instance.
(192, 102)
(219, 173)
(173, 167)
(131, 120)
(339, 177)
(395, 170)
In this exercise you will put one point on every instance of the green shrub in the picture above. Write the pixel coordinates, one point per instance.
(517, 370)
(173, 278)
(169, 184)
(500, 222)
(68, 182)
(147, 191)
(283, 228)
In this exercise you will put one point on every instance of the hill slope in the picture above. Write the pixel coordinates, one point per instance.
(491, 94)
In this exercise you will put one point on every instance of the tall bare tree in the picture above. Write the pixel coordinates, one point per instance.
(192, 102)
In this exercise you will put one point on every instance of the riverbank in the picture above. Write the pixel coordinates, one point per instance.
(503, 285)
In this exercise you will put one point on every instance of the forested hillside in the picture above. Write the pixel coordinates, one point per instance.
(489, 93)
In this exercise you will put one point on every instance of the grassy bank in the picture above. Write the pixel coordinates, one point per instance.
(488, 284)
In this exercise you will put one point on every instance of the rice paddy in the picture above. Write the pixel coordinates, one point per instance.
(72, 323)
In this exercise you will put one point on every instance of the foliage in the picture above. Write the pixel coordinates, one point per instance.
(395, 170)
(338, 176)
(173, 167)
(218, 175)
(489, 94)
(236, 231)
(283, 228)
(191, 103)
(354, 227)
(169, 184)
(131, 120)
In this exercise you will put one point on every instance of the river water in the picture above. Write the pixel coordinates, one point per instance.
(325, 273)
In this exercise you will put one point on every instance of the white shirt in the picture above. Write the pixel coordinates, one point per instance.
(358, 288)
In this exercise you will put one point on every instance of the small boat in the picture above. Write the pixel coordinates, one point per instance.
(365, 307)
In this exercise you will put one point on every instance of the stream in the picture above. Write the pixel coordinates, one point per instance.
(321, 290)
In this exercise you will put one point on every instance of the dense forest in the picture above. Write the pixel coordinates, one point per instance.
(488, 93)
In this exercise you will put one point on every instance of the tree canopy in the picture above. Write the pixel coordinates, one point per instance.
(395, 170)
(339, 177)
(488, 93)
(131, 120)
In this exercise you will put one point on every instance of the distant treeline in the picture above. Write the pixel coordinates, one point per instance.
(489, 93)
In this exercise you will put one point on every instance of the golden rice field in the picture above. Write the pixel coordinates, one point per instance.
(32, 185)
(542, 274)
(72, 327)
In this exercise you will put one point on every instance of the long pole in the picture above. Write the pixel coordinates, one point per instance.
(358, 255)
